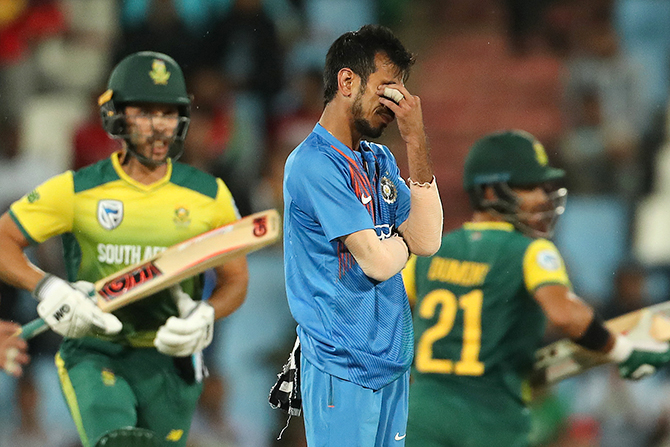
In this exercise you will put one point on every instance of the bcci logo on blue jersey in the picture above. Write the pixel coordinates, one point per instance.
(110, 213)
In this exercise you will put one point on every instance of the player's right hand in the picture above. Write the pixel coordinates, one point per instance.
(70, 310)
(642, 359)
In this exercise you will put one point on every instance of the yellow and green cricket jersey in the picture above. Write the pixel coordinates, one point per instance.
(476, 322)
(108, 221)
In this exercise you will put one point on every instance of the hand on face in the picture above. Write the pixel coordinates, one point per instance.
(407, 111)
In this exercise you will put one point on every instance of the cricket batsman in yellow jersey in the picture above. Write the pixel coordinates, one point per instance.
(131, 378)
(483, 300)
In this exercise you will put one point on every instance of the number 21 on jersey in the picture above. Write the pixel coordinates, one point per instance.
(448, 303)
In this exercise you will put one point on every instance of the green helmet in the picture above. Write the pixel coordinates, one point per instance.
(514, 157)
(145, 77)
(507, 160)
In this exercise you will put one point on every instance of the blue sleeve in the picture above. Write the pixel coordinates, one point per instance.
(321, 188)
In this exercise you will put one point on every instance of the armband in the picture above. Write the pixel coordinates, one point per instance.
(596, 335)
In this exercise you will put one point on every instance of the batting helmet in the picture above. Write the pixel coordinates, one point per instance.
(145, 77)
(507, 160)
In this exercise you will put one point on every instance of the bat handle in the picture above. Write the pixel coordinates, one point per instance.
(32, 329)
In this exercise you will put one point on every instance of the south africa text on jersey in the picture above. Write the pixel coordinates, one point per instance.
(126, 254)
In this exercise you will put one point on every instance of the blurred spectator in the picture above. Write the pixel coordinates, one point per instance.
(603, 112)
(524, 24)
(212, 119)
(91, 142)
(245, 44)
(23, 25)
(172, 27)
(643, 27)
(20, 171)
(630, 292)
(287, 131)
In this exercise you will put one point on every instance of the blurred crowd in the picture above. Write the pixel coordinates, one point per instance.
(254, 69)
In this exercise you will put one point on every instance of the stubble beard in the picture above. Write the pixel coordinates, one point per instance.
(362, 125)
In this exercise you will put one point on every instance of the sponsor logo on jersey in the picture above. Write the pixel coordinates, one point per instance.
(33, 196)
(115, 254)
(110, 213)
(108, 377)
(159, 73)
(182, 217)
(384, 231)
(549, 260)
(389, 191)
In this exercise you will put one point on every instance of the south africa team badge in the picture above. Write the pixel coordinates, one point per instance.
(389, 191)
(110, 213)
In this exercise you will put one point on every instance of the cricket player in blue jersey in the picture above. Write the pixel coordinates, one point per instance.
(351, 222)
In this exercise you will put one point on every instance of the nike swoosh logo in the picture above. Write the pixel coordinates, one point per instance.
(400, 438)
(365, 199)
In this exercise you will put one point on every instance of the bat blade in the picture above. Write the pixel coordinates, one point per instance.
(181, 261)
(564, 358)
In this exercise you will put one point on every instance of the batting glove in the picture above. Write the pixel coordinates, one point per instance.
(70, 310)
(189, 333)
(638, 359)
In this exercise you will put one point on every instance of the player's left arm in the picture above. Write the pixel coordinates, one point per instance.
(422, 230)
(232, 279)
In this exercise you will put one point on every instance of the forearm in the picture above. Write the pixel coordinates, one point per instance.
(231, 288)
(418, 159)
(422, 230)
(379, 260)
(15, 268)
(565, 310)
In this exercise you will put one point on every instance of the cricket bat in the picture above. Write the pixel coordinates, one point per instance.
(181, 261)
(564, 358)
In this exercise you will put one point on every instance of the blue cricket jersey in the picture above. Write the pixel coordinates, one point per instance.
(350, 325)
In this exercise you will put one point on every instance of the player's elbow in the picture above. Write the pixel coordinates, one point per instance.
(428, 248)
(379, 260)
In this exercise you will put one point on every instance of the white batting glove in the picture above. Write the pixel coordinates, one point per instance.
(638, 359)
(189, 333)
(70, 311)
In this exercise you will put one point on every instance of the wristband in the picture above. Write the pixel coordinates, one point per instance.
(596, 335)
(421, 185)
(43, 284)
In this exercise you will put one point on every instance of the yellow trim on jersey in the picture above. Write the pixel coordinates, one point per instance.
(128, 179)
(543, 265)
(409, 278)
(71, 399)
(489, 225)
(48, 210)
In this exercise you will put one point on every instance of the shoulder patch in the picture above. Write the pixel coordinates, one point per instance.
(189, 177)
(548, 260)
(94, 175)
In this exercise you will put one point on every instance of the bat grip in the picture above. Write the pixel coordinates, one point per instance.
(32, 329)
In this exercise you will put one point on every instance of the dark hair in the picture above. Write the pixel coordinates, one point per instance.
(357, 50)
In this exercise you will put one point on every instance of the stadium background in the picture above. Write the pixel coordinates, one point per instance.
(589, 78)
